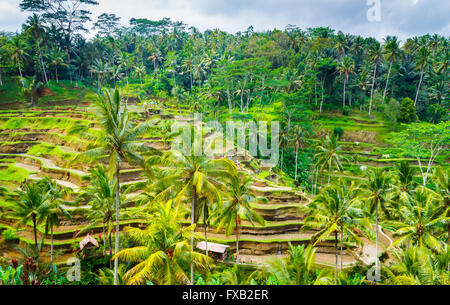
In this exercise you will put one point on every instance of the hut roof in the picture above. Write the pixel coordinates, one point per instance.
(88, 240)
(216, 248)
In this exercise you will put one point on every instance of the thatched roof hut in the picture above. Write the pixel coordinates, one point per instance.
(212, 247)
(88, 242)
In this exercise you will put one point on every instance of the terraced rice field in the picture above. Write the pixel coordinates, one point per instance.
(35, 144)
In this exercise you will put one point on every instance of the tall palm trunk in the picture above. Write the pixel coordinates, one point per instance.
(373, 87)
(110, 250)
(51, 244)
(321, 100)
(418, 87)
(104, 239)
(342, 246)
(1, 81)
(193, 204)
(296, 163)
(387, 81)
(376, 224)
(206, 228)
(20, 69)
(336, 256)
(343, 100)
(35, 231)
(116, 246)
(42, 64)
(238, 229)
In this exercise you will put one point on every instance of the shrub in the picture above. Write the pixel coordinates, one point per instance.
(10, 234)
(408, 112)
(338, 131)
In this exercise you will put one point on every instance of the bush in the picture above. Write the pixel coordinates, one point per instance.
(346, 110)
(408, 112)
(338, 131)
(10, 234)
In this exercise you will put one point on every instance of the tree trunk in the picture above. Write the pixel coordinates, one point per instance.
(35, 232)
(110, 250)
(116, 246)
(296, 163)
(104, 239)
(321, 101)
(56, 71)
(387, 82)
(193, 204)
(51, 244)
(343, 100)
(206, 228)
(20, 69)
(336, 256)
(342, 246)
(418, 87)
(1, 81)
(376, 224)
(373, 87)
(42, 64)
(237, 238)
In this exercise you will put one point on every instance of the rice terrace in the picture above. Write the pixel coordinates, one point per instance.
(146, 151)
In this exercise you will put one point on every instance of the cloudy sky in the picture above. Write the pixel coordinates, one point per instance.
(404, 18)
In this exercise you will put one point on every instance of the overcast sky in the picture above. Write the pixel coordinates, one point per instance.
(404, 18)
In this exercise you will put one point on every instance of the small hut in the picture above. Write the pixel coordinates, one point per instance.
(88, 242)
(218, 251)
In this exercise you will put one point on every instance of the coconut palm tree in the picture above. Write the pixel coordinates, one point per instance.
(118, 140)
(392, 53)
(334, 211)
(102, 69)
(18, 52)
(162, 254)
(420, 220)
(345, 68)
(329, 155)
(32, 204)
(297, 268)
(35, 28)
(422, 61)
(191, 177)
(377, 187)
(238, 206)
(441, 179)
(375, 55)
(404, 183)
(100, 195)
(298, 139)
(56, 59)
(57, 209)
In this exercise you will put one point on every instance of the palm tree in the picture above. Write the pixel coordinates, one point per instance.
(56, 59)
(102, 69)
(375, 55)
(441, 179)
(238, 206)
(191, 177)
(140, 72)
(18, 52)
(57, 209)
(392, 53)
(33, 204)
(297, 268)
(329, 155)
(377, 188)
(422, 60)
(419, 266)
(101, 197)
(118, 139)
(404, 185)
(36, 28)
(420, 220)
(162, 254)
(298, 138)
(334, 212)
(346, 67)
